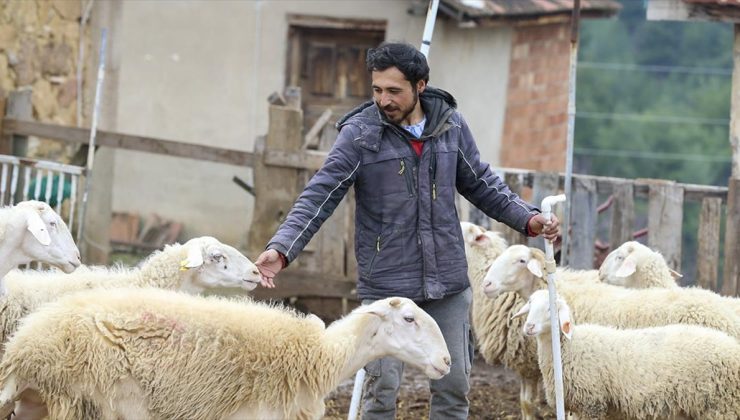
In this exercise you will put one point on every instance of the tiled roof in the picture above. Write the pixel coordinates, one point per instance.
(518, 9)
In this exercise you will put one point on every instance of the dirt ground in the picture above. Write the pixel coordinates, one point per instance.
(494, 394)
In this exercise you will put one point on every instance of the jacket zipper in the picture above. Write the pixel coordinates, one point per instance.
(372, 260)
(407, 175)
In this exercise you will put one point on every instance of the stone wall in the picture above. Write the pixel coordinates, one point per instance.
(39, 45)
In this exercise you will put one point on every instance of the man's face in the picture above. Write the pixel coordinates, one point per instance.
(395, 95)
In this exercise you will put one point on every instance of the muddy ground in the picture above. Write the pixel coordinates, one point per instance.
(494, 394)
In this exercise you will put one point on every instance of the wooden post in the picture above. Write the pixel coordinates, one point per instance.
(707, 255)
(665, 221)
(275, 188)
(623, 215)
(731, 272)
(516, 184)
(543, 185)
(4, 140)
(583, 224)
(19, 106)
(735, 107)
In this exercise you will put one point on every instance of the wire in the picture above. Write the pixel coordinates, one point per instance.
(653, 118)
(651, 155)
(714, 71)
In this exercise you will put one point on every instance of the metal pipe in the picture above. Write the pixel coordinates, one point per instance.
(557, 362)
(91, 144)
(426, 38)
(564, 253)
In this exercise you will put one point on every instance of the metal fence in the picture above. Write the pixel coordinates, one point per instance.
(24, 179)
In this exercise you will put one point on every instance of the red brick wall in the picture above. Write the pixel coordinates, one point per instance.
(536, 120)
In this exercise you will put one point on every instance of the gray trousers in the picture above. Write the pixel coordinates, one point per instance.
(449, 394)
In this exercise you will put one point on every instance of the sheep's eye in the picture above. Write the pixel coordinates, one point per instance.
(217, 257)
(53, 224)
(522, 261)
(408, 318)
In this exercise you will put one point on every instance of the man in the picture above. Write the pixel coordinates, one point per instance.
(406, 152)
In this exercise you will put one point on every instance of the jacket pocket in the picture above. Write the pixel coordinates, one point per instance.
(371, 264)
(406, 170)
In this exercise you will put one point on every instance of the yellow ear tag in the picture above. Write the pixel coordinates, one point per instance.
(183, 265)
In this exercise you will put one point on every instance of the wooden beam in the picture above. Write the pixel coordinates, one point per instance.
(665, 219)
(129, 142)
(516, 185)
(311, 140)
(308, 159)
(291, 283)
(707, 255)
(731, 272)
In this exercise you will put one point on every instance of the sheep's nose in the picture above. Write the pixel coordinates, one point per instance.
(75, 263)
(256, 272)
(487, 284)
(447, 360)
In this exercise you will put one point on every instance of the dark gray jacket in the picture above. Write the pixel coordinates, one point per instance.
(408, 240)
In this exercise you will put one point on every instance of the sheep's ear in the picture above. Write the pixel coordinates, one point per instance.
(675, 274)
(535, 267)
(194, 258)
(37, 227)
(395, 303)
(482, 239)
(628, 267)
(566, 327)
(522, 311)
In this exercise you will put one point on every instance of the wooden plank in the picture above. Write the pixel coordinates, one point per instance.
(128, 142)
(707, 255)
(665, 220)
(324, 22)
(291, 283)
(18, 107)
(623, 215)
(735, 107)
(307, 159)
(543, 184)
(731, 272)
(311, 140)
(583, 224)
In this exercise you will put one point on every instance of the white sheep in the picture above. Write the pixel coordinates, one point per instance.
(499, 340)
(636, 266)
(33, 231)
(519, 269)
(150, 353)
(199, 265)
(659, 372)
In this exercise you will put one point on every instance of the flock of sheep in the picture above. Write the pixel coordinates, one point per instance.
(138, 343)
(635, 345)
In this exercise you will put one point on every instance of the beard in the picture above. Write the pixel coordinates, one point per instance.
(396, 114)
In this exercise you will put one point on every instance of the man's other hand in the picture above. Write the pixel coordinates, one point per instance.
(548, 229)
(269, 263)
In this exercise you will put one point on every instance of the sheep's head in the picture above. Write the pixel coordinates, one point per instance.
(47, 238)
(518, 269)
(214, 264)
(481, 243)
(537, 310)
(620, 266)
(409, 334)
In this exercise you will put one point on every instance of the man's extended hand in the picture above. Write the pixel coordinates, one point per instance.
(548, 229)
(269, 264)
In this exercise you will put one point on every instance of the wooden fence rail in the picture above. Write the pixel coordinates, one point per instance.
(294, 160)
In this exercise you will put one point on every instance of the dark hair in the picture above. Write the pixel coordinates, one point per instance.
(405, 57)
